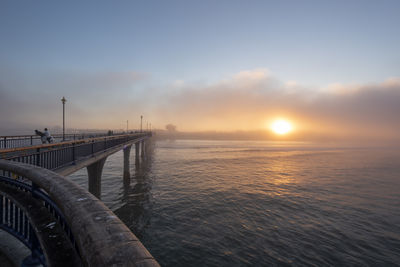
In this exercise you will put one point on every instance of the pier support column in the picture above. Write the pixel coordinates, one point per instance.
(127, 180)
(127, 152)
(142, 145)
(137, 147)
(94, 173)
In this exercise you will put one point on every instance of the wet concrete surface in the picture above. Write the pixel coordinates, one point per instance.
(12, 251)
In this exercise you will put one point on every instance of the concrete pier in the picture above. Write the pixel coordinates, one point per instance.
(99, 237)
(12, 251)
(142, 145)
(127, 153)
(137, 148)
(94, 173)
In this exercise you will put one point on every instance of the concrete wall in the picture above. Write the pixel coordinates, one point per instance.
(102, 239)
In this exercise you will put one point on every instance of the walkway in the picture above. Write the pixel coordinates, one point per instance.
(60, 222)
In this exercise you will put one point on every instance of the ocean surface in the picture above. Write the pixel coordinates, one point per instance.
(239, 203)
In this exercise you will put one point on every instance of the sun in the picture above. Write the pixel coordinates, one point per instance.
(281, 127)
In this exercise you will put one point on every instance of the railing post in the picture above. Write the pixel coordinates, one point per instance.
(31, 140)
(6, 209)
(38, 156)
(1, 209)
(16, 218)
(92, 147)
(5, 142)
(32, 260)
(73, 152)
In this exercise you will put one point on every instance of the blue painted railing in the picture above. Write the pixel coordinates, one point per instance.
(14, 221)
(82, 220)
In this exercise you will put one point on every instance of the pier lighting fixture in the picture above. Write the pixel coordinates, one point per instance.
(141, 120)
(63, 100)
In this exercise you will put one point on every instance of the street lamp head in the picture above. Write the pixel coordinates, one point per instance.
(63, 100)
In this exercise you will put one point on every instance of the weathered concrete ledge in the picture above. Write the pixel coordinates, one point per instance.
(102, 239)
(57, 247)
(13, 250)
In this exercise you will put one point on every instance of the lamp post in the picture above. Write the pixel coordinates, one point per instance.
(63, 100)
(127, 123)
(141, 120)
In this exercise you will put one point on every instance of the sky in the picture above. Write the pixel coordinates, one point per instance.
(329, 67)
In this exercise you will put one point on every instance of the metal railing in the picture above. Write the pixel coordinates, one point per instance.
(83, 219)
(14, 219)
(55, 156)
(33, 140)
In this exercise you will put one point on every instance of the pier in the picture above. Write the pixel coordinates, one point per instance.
(61, 223)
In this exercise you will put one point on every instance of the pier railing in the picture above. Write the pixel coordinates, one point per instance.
(36, 201)
(31, 140)
(53, 156)
(16, 219)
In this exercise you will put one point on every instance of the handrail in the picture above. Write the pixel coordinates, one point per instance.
(29, 215)
(101, 238)
(60, 155)
(66, 143)
(60, 135)
(57, 134)
(14, 220)
(13, 141)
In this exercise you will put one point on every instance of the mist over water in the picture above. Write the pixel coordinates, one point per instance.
(231, 203)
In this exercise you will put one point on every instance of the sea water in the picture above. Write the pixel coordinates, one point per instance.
(246, 203)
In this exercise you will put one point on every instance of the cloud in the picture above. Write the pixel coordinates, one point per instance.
(248, 100)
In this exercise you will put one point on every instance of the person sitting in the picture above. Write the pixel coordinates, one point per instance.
(49, 138)
(42, 135)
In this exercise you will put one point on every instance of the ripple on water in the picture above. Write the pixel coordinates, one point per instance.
(218, 203)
